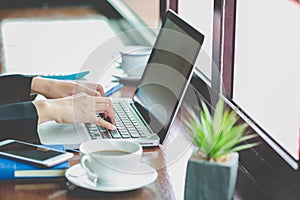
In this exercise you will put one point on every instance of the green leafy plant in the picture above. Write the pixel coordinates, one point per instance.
(217, 135)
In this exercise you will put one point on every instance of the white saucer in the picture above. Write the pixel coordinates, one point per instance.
(143, 175)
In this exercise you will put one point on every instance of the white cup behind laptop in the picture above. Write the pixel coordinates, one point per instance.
(107, 161)
(134, 60)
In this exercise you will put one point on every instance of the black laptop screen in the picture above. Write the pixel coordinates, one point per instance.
(167, 73)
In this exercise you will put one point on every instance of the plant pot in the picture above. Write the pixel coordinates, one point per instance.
(211, 180)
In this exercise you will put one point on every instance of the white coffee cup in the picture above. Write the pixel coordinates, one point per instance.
(106, 161)
(134, 60)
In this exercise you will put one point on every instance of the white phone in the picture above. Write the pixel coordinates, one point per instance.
(32, 153)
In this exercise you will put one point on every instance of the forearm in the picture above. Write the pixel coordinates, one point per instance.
(48, 110)
(15, 88)
(43, 86)
(53, 89)
(19, 121)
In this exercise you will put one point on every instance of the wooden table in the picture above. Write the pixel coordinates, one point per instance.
(169, 160)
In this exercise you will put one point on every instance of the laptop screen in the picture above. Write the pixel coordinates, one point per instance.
(167, 73)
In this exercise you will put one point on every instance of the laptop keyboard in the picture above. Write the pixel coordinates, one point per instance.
(127, 126)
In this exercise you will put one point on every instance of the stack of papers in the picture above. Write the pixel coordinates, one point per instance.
(44, 46)
(62, 49)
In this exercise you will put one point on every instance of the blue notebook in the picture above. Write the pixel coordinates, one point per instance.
(11, 169)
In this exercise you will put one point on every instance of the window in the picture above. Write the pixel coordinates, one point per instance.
(200, 15)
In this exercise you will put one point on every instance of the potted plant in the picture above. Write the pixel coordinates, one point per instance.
(212, 168)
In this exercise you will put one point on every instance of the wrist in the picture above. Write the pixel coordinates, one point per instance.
(39, 85)
(44, 111)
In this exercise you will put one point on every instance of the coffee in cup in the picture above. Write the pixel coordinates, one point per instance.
(106, 161)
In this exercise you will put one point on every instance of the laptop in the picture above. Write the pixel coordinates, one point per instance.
(147, 117)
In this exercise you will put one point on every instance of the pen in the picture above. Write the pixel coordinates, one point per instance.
(113, 90)
(72, 150)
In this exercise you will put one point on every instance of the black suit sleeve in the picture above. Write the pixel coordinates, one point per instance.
(18, 116)
(15, 88)
(19, 121)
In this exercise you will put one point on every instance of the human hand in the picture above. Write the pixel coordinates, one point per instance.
(79, 108)
(53, 89)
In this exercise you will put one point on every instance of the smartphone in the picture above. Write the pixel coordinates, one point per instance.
(31, 153)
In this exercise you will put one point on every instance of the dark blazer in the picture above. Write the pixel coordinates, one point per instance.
(18, 115)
